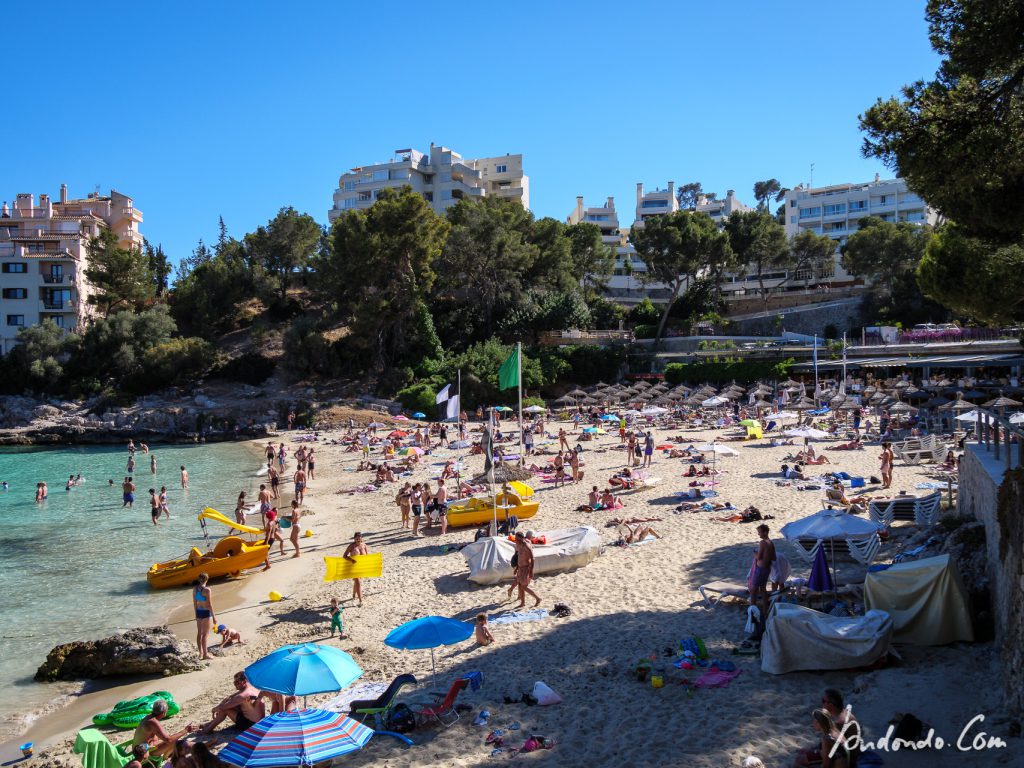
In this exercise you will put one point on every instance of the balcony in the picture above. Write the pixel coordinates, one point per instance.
(134, 213)
(58, 306)
(516, 192)
(56, 279)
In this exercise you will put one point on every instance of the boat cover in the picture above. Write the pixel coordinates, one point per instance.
(490, 558)
(799, 638)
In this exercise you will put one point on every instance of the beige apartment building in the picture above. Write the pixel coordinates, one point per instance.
(44, 253)
(442, 177)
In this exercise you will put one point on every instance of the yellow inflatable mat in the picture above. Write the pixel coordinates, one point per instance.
(365, 567)
(217, 517)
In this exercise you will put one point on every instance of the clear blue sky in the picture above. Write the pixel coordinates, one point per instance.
(236, 109)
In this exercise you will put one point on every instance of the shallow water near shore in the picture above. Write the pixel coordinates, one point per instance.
(74, 567)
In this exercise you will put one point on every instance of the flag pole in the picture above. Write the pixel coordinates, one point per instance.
(816, 388)
(519, 365)
(458, 431)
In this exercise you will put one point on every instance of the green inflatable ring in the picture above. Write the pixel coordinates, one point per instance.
(128, 714)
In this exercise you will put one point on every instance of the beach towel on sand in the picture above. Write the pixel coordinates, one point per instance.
(517, 617)
(359, 692)
(716, 678)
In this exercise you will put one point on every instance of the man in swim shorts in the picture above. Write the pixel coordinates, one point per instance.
(128, 493)
(244, 707)
(762, 570)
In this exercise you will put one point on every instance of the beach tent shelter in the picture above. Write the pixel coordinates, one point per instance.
(926, 600)
(799, 638)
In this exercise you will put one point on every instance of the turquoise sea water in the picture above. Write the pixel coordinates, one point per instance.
(74, 567)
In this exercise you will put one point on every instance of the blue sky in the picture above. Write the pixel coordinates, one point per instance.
(204, 109)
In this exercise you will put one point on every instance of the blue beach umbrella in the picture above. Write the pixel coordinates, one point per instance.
(419, 415)
(821, 579)
(299, 738)
(302, 670)
(429, 632)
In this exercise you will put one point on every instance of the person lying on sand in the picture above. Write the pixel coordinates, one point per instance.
(636, 534)
(615, 522)
(706, 506)
(853, 445)
(748, 515)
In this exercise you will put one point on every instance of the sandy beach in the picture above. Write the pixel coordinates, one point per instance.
(630, 603)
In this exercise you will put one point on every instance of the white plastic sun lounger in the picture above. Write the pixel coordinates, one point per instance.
(722, 589)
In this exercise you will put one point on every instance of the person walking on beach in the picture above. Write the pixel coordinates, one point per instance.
(202, 602)
(310, 464)
(275, 478)
(264, 500)
(273, 533)
(574, 463)
(270, 452)
(299, 479)
(563, 440)
(404, 501)
(762, 570)
(416, 501)
(281, 453)
(128, 493)
(649, 448)
(630, 449)
(294, 532)
(357, 547)
(524, 570)
(887, 459)
(184, 478)
(441, 505)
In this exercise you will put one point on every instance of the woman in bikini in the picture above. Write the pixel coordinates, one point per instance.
(202, 602)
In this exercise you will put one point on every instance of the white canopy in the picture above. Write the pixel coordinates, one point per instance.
(798, 638)
(490, 558)
(653, 410)
(533, 409)
(860, 534)
(714, 402)
(721, 450)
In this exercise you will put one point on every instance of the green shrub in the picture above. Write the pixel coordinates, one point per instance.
(645, 330)
(743, 371)
(306, 351)
(418, 397)
(645, 313)
(172, 362)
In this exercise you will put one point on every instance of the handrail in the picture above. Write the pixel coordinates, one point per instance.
(997, 434)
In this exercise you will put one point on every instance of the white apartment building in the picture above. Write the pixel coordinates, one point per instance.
(442, 177)
(721, 209)
(44, 253)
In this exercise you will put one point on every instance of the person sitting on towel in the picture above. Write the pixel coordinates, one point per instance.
(794, 473)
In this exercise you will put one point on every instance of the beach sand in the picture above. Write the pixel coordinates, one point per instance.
(628, 604)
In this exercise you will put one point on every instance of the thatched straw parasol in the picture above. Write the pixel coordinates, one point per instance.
(504, 473)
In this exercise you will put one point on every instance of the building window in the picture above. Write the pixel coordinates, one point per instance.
(828, 270)
(832, 210)
(858, 205)
(654, 204)
(15, 267)
(806, 213)
(598, 217)
(349, 186)
(802, 274)
(18, 320)
(15, 293)
(792, 203)
(882, 200)
(501, 169)
(380, 175)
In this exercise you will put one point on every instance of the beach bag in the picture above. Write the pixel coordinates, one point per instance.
(544, 695)
(401, 719)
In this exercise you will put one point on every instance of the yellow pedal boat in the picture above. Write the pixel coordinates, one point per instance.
(477, 511)
(230, 557)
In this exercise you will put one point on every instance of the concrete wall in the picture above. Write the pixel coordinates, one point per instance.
(996, 498)
(843, 314)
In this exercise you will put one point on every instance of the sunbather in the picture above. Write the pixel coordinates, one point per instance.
(748, 515)
(853, 445)
(637, 533)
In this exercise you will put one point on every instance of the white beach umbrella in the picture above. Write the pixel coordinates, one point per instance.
(1017, 418)
(811, 432)
(653, 410)
(533, 409)
(714, 402)
(973, 416)
(716, 448)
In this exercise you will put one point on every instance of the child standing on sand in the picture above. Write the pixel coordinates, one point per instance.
(483, 633)
(336, 622)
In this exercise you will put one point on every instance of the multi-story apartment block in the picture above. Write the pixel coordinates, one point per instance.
(44, 251)
(721, 209)
(442, 177)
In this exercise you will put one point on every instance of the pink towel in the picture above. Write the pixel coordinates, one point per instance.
(716, 678)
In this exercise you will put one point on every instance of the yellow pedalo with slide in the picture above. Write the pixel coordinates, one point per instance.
(229, 557)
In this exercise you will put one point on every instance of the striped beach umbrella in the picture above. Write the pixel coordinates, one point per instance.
(300, 738)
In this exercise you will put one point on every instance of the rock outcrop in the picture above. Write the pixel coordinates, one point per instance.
(141, 651)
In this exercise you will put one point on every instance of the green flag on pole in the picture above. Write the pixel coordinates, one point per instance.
(508, 374)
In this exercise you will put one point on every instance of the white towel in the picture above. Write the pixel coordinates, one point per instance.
(753, 619)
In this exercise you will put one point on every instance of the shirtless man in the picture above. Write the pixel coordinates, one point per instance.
(300, 483)
(524, 570)
(275, 478)
(244, 707)
(357, 547)
(128, 493)
(264, 501)
(762, 570)
(184, 477)
(150, 731)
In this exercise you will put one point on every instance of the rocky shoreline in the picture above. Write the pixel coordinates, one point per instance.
(26, 421)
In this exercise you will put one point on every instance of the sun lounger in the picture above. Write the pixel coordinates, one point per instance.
(380, 706)
(923, 510)
(722, 589)
(917, 450)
